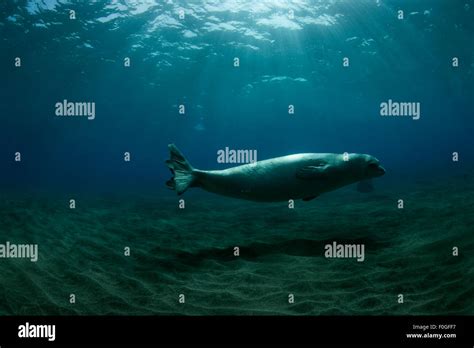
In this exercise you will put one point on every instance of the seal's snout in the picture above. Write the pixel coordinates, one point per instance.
(381, 170)
(375, 170)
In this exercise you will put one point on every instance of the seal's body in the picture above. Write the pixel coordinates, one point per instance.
(301, 176)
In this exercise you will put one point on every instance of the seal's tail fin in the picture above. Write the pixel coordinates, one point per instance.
(183, 172)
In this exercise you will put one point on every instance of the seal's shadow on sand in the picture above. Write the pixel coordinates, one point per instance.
(258, 252)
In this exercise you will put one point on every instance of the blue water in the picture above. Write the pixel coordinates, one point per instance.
(290, 53)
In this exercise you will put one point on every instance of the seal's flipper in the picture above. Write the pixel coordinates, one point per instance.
(312, 172)
(183, 172)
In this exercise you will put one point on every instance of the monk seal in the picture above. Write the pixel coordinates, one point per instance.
(300, 176)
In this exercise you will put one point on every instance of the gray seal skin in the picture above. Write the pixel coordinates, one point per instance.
(300, 176)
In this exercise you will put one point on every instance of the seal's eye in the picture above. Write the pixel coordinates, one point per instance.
(373, 166)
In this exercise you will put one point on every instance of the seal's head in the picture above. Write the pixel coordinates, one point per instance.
(342, 169)
(367, 166)
(359, 167)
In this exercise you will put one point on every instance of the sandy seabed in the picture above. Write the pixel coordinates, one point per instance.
(191, 251)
